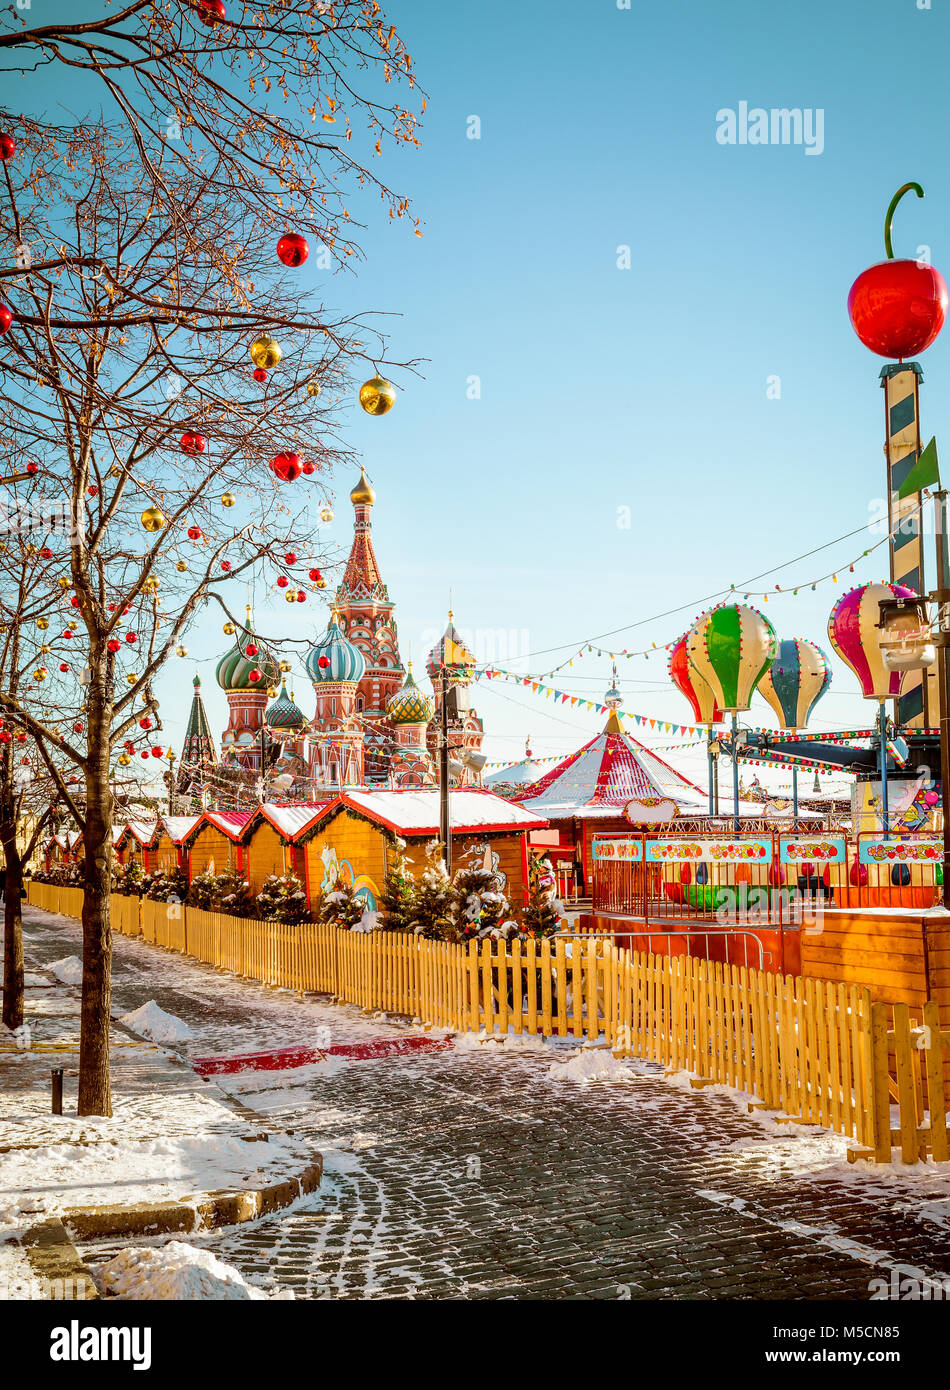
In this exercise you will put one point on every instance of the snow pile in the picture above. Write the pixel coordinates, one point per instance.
(175, 1271)
(591, 1064)
(476, 1042)
(69, 970)
(150, 1021)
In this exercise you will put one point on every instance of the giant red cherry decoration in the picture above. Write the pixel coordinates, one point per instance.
(7, 146)
(286, 467)
(897, 308)
(292, 249)
(193, 443)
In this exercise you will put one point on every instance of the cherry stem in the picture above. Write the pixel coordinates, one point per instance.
(889, 215)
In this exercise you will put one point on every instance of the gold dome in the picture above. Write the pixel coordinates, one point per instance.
(363, 492)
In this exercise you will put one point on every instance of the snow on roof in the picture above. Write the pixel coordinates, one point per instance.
(117, 832)
(179, 827)
(143, 830)
(289, 820)
(522, 774)
(416, 811)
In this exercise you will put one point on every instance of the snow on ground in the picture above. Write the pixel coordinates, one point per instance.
(153, 1022)
(54, 1177)
(17, 1279)
(175, 1271)
(69, 970)
(591, 1064)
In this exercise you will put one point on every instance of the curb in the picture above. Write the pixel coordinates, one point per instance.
(55, 1262)
(207, 1212)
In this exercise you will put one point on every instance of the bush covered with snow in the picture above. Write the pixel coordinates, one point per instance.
(225, 892)
(165, 885)
(282, 899)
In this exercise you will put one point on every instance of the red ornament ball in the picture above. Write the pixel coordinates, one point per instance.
(93, 490)
(64, 666)
(113, 645)
(32, 468)
(46, 553)
(212, 12)
(143, 754)
(251, 649)
(193, 443)
(226, 566)
(7, 146)
(156, 752)
(254, 676)
(74, 601)
(315, 575)
(131, 637)
(292, 249)
(301, 596)
(290, 558)
(260, 374)
(897, 308)
(68, 633)
(6, 317)
(77, 728)
(308, 468)
(21, 738)
(194, 533)
(145, 723)
(286, 467)
(282, 581)
(323, 662)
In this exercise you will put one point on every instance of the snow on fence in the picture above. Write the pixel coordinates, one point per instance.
(813, 1051)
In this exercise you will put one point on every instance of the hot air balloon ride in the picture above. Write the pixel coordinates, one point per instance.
(702, 701)
(793, 685)
(731, 648)
(854, 630)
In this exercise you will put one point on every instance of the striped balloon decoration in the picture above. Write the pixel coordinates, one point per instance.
(795, 682)
(691, 684)
(855, 636)
(731, 648)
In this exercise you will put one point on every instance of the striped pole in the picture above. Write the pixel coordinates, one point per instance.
(901, 381)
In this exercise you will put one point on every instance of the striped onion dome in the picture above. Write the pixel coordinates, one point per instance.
(282, 713)
(409, 705)
(233, 671)
(343, 661)
(451, 653)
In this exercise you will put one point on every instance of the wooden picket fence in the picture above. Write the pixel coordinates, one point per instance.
(812, 1051)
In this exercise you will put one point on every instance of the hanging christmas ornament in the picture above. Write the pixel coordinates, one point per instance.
(313, 387)
(194, 533)
(290, 597)
(228, 499)
(226, 566)
(211, 12)
(282, 581)
(228, 629)
(377, 396)
(152, 519)
(301, 596)
(286, 467)
(251, 649)
(40, 673)
(42, 624)
(181, 566)
(181, 651)
(795, 682)
(6, 318)
(63, 582)
(292, 249)
(326, 513)
(254, 676)
(259, 374)
(266, 352)
(158, 753)
(309, 468)
(315, 575)
(7, 146)
(31, 468)
(731, 648)
(131, 678)
(853, 630)
(323, 662)
(131, 638)
(113, 645)
(321, 583)
(290, 558)
(64, 665)
(151, 585)
(284, 666)
(697, 691)
(193, 443)
(123, 759)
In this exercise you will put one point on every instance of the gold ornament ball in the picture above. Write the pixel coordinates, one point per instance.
(285, 666)
(123, 759)
(151, 585)
(152, 519)
(32, 550)
(42, 624)
(181, 567)
(181, 651)
(265, 352)
(290, 598)
(321, 583)
(377, 396)
(115, 471)
(40, 673)
(131, 678)
(314, 388)
(228, 629)
(326, 513)
(46, 649)
(228, 499)
(271, 692)
(63, 582)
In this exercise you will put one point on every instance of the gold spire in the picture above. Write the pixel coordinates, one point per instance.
(363, 492)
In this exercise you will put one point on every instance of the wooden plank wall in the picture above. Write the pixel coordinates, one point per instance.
(884, 951)
(264, 854)
(210, 843)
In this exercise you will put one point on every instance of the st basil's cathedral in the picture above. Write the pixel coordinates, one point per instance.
(373, 725)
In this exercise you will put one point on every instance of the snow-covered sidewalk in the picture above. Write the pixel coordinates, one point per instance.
(174, 1137)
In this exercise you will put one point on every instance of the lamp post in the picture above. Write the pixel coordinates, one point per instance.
(445, 822)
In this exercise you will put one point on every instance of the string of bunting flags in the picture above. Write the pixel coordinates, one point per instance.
(537, 687)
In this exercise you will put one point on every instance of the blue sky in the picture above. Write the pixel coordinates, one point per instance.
(604, 388)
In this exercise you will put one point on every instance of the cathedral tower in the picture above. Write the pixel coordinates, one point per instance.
(336, 666)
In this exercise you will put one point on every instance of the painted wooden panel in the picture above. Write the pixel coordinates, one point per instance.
(264, 854)
(210, 844)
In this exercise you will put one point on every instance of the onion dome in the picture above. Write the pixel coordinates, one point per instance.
(451, 652)
(335, 658)
(409, 705)
(282, 713)
(363, 492)
(234, 670)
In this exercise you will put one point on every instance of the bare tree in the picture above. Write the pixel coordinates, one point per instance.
(146, 270)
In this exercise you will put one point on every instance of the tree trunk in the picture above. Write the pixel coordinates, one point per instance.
(94, 1083)
(12, 936)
